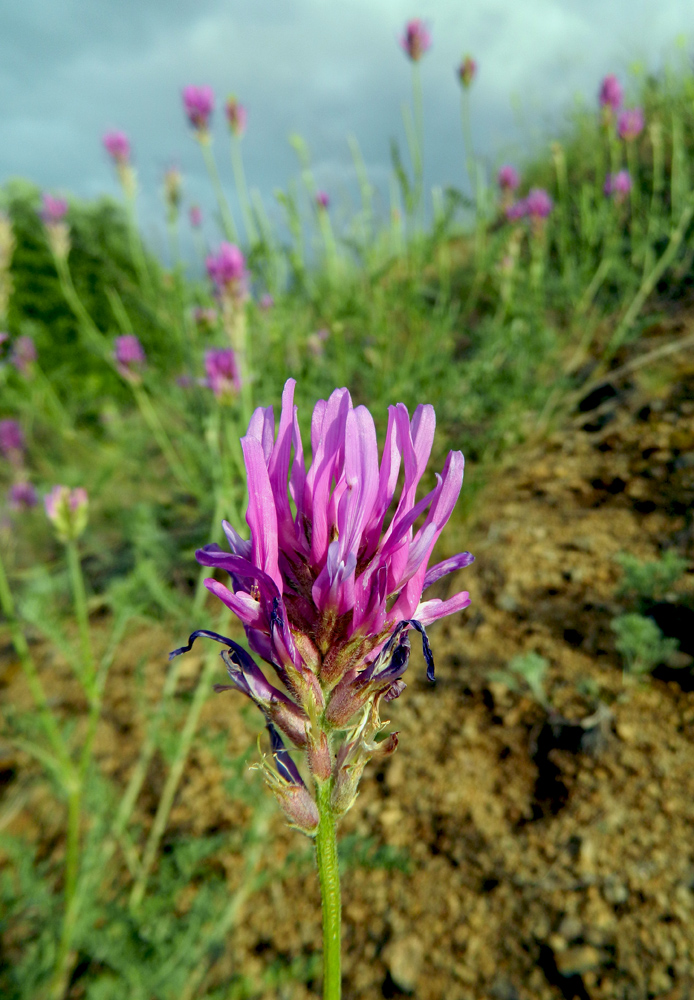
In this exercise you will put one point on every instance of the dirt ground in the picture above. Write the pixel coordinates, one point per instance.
(548, 851)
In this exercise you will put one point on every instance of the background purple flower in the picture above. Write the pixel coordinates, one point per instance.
(618, 184)
(222, 373)
(266, 301)
(630, 124)
(322, 199)
(195, 216)
(508, 178)
(518, 210)
(23, 354)
(22, 496)
(611, 93)
(11, 438)
(198, 103)
(129, 355)
(467, 71)
(538, 204)
(236, 116)
(117, 145)
(416, 40)
(54, 209)
(227, 270)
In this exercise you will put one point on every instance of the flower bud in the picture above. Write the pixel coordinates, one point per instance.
(66, 509)
(297, 805)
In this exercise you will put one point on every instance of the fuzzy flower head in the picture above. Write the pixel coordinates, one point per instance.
(66, 509)
(266, 302)
(416, 40)
(195, 216)
(517, 210)
(22, 496)
(236, 116)
(198, 103)
(538, 204)
(322, 200)
(630, 124)
(222, 373)
(53, 210)
(23, 355)
(129, 356)
(117, 145)
(508, 178)
(467, 71)
(331, 581)
(227, 271)
(618, 185)
(610, 96)
(12, 441)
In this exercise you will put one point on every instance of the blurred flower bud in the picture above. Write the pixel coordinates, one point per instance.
(66, 509)
(117, 145)
(195, 216)
(22, 496)
(12, 441)
(236, 116)
(222, 373)
(23, 355)
(129, 356)
(198, 103)
(266, 302)
(630, 124)
(227, 271)
(467, 71)
(322, 200)
(173, 189)
(618, 186)
(416, 40)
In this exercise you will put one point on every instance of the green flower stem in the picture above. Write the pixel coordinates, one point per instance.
(64, 958)
(136, 249)
(242, 190)
(329, 875)
(174, 776)
(224, 210)
(160, 436)
(418, 105)
(79, 596)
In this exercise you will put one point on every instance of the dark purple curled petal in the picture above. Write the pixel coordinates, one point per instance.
(285, 765)
(426, 648)
(205, 634)
(441, 569)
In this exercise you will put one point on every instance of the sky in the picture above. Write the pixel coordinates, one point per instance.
(71, 70)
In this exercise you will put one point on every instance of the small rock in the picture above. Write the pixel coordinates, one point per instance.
(576, 961)
(403, 956)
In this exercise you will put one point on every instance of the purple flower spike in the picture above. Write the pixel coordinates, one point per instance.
(236, 116)
(23, 354)
(22, 496)
(322, 200)
(508, 178)
(222, 373)
(195, 216)
(198, 103)
(630, 124)
(129, 356)
(416, 40)
(227, 271)
(618, 185)
(538, 204)
(54, 210)
(611, 93)
(467, 71)
(331, 581)
(117, 145)
(11, 439)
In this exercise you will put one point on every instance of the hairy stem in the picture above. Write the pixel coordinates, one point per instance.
(329, 875)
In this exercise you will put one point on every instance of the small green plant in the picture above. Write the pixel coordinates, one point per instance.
(640, 643)
(527, 668)
(650, 581)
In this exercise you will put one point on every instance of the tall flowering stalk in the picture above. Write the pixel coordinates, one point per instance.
(117, 145)
(328, 587)
(198, 104)
(415, 42)
(237, 117)
(228, 274)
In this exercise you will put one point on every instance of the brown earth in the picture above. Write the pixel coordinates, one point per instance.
(534, 852)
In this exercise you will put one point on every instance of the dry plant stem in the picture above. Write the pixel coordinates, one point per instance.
(329, 875)
(173, 779)
(224, 210)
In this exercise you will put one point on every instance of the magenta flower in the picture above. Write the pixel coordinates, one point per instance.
(518, 210)
(630, 124)
(538, 204)
(54, 210)
(23, 354)
(66, 509)
(322, 200)
(199, 105)
(227, 271)
(331, 580)
(195, 216)
(266, 301)
(618, 185)
(611, 93)
(222, 373)
(22, 496)
(467, 71)
(117, 145)
(236, 116)
(11, 440)
(129, 356)
(508, 178)
(416, 40)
